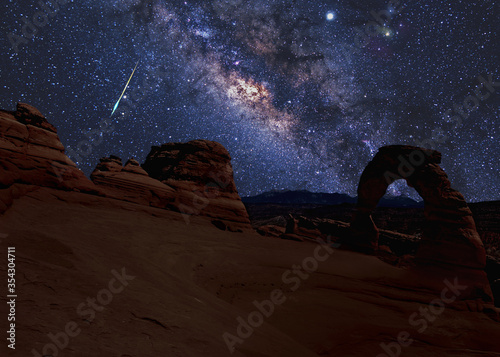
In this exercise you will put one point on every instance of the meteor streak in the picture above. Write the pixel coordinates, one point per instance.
(124, 89)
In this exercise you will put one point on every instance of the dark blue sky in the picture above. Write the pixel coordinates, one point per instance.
(301, 100)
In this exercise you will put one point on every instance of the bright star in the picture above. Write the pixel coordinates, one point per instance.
(330, 16)
(387, 31)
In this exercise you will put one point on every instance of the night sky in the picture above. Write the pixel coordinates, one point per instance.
(302, 93)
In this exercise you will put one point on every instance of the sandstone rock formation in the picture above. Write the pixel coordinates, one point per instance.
(450, 239)
(270, 230)
(131, 183)
(313, 229)
(310, 229)
(151, 286)
(194, 178)
(200, 172)
(31, 156)
(29, 115)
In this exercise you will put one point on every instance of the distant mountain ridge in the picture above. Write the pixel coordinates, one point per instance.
(290, 197)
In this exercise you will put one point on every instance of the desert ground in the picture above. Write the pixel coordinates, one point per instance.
(191, 283)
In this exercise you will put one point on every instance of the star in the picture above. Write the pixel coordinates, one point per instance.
(299, 96)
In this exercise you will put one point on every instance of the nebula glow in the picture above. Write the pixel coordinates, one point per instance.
(301, 93)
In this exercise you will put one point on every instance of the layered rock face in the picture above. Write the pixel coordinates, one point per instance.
(450, 239)
(200, 171)
(131, 183)
(194, 178)
(31, 156)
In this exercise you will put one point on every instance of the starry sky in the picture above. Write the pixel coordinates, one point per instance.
(302, 93)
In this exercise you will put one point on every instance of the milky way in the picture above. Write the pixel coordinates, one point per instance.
(302, 93)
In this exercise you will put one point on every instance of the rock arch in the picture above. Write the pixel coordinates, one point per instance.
(450, 238)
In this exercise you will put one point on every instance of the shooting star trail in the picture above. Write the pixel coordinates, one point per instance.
(124, 89)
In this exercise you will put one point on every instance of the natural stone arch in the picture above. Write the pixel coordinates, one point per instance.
(450, 238)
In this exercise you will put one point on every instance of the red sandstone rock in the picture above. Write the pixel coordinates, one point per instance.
(200, 171)
(131, 183)
(31, 155)
(450, 240)
(194, 178)
(191, 285)
(27, 114)
(314, 229)
(271, 231)
(132, 165)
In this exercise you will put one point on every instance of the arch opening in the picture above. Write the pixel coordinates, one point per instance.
(449, 236)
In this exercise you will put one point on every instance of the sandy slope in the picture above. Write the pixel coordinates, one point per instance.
(192, 282)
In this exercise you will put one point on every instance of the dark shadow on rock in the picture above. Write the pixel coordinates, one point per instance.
(450, 242)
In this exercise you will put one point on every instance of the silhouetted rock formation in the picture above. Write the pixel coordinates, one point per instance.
(197, 176)
(31, 156)
(131, 183)
(29, 115)
(200, 171)
(450, 239)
